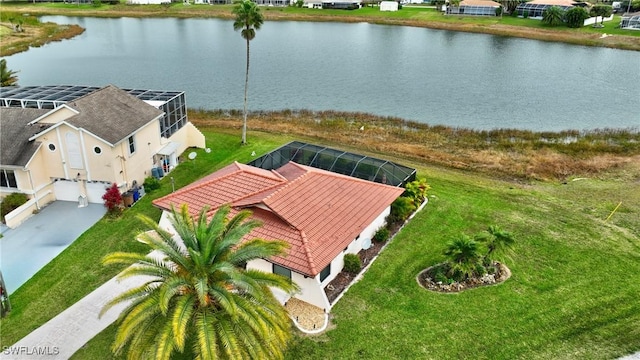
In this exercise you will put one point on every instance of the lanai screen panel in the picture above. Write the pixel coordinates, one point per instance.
(477, 10)
(341, 162)
(536, 10)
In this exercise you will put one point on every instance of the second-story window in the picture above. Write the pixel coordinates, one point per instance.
(132, 145)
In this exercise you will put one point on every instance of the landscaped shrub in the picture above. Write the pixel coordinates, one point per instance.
(440, 275)
(113, 200)
(401, 209)
(352, 263)
(464, 258)
(553, 16)
(151, 183)
(417, 190)
(473, 257)
(575, 17)
(12, 202)
(381, 235)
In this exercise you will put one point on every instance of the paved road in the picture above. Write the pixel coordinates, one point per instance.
(27, 248)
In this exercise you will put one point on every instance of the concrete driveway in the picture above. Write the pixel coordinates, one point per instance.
(27, 248)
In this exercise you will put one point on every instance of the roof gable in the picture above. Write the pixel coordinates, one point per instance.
(111, 114)
(15, 147)
(316, 211)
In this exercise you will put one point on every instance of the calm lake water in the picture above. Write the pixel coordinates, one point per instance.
(431, 76)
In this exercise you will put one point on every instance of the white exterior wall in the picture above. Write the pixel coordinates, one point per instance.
(338, 263)
(388, 6)
(310, 289)
(188, 136)
(597, 19)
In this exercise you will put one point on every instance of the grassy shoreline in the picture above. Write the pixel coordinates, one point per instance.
(416, 17)
(35, 33)
(511, 154)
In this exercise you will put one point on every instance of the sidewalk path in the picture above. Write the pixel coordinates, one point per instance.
(66, 333)
(634, 356)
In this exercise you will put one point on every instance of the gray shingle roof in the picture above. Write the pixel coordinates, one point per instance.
(111, 113)
(15, 147)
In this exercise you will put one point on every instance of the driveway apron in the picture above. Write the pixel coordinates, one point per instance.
(27, 248)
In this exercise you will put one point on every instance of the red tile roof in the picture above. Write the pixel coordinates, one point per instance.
(319, 213)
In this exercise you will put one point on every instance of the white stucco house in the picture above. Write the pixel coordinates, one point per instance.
(75, 149)
(321, 214)
(388, 6)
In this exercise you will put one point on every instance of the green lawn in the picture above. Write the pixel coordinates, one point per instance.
(573, 292)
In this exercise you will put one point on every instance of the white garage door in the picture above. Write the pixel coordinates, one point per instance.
(68, 190)
(95, 190)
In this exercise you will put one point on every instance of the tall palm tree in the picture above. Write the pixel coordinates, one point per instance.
(7, 77)
(248, 20)
(199, 297)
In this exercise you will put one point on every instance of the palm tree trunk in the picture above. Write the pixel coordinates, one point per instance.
(246, 86)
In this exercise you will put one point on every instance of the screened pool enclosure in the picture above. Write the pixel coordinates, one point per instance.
(631, 21)
(535, 10)
(338, 161)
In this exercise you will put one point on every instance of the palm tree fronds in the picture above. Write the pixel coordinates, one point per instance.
(180, 319)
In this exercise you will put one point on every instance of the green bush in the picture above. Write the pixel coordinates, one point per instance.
(381, 235)
(440, 275)
(96, 3)
(417, 190)
(151, 183)
(352, 263)
(575, 17)
(12, 202)
(401, 209)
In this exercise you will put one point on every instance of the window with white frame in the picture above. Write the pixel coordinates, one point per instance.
(132, 145)
(8, 179)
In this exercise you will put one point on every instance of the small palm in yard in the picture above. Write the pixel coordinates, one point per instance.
(199, 298)
(464, 257)
(498, 242)
(553, 16)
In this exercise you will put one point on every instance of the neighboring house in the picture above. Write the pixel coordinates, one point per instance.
(148, 2)
(321, 214)
(341, 5)
(273, 2)
(535, 8)
(388, 6)
(313, 4)
(76, 150)
(476, 8)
